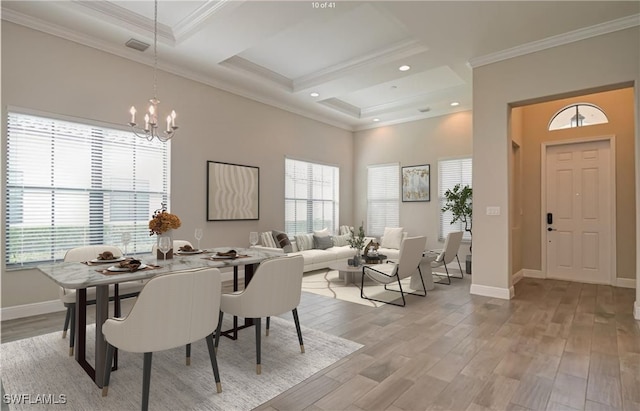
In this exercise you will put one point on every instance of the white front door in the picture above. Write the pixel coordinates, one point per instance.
(578, 212)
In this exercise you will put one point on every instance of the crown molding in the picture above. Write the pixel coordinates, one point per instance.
(342, 107)
(417, 117)
(198, 17)
(122, 16)
(397, 51)
(559, 40)
(240, 63)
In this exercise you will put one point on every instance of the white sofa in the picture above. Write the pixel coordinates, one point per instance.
(315, 259)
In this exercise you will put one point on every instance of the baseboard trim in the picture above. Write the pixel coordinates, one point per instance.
(636, 311)
(495, 292)
(27, 310)
(517, 277)
(533, 273)
(626, 282)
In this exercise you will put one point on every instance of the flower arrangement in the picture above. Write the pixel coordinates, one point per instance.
(163, 221)
(354, 241)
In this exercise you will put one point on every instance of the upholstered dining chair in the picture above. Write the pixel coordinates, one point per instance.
(411, 250)
(172, 310)
(447, 254)
(275, 288)
(68, 296)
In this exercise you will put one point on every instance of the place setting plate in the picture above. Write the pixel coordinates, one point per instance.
(189, 252)
(117, 269)
(113, 260)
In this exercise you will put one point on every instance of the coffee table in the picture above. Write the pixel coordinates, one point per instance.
(346, 272)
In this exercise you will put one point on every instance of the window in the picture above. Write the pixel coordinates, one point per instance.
(383, 198)
(311, 197)
(450, 173)
(70, 184)
(577, 115)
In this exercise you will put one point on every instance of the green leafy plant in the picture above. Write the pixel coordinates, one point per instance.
(354, 241)
(459, 202)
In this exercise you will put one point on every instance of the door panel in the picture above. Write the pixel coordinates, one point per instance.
(578, 193)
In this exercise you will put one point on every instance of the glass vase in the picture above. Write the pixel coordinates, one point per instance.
(357, 259)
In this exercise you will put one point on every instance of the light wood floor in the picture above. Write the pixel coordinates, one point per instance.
(555, 346)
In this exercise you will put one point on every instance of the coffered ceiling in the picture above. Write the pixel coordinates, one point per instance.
(347, 53)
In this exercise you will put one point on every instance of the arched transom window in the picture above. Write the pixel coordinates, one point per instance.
(578, 115)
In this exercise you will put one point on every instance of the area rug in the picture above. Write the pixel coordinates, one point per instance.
(38, 369)
(329, 284)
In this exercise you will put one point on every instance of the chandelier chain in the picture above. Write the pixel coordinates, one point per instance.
(155, 50)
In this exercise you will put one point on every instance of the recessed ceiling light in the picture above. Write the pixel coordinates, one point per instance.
(454, 104)
(404, 68)
(376, 119)
(314, 94)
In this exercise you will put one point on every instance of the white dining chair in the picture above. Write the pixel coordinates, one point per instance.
(275, 288)
(68, 296)
(172, 310)
(447, 254)
(411, 249)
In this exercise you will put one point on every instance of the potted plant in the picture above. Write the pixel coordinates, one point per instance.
(357, 242)
(459, 201)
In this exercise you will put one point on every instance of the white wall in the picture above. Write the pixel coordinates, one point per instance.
(586, 65)
(415, 143)
(49, 74)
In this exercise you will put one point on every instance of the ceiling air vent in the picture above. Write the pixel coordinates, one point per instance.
(137, 45)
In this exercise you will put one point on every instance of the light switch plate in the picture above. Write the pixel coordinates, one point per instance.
(493, 210)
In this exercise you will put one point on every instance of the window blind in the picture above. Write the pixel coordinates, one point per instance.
(383, 198)
(70, 184)
(450, 173)
(311, 197)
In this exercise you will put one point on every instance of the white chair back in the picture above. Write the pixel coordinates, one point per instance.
(451, 246)
(275, 288)
(172, 310)
(89, 252)
(411, 251)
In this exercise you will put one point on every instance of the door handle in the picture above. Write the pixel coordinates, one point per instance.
(551, 229)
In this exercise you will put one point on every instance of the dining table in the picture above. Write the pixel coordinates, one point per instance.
(82, 275)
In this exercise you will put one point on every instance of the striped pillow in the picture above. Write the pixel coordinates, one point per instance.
(341, 240)
(344, 229)
(266, 239)
(304, 241)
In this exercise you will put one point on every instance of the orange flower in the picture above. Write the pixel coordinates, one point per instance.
(163, 221)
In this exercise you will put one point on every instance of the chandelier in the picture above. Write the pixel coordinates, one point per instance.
(152, 128)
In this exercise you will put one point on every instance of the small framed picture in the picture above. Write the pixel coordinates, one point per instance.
(416, 183)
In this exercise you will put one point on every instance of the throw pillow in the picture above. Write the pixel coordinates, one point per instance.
(392, 238)
(304, 241)
(282, 241)
(266, 239)
(322, 233)
(344, 229)
(341, 240)
(322, 243)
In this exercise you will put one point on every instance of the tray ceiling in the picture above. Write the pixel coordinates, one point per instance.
(347, 52)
